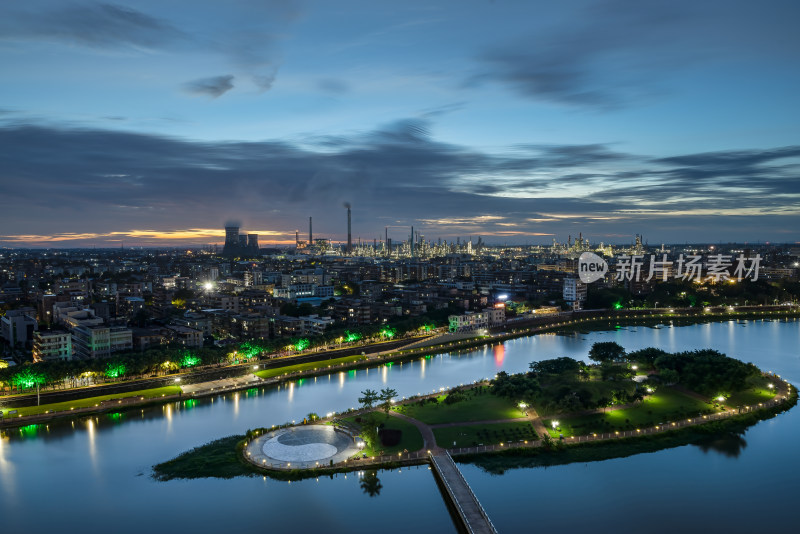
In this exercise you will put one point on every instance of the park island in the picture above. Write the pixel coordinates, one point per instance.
(562, 410)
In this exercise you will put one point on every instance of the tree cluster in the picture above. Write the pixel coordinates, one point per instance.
(705, 371)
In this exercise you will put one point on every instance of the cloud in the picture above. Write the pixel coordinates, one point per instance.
(215, 86)
(615, 53)
(91, 25)
(588, 61)
(79, 180)
(264, 81)
(247, 39)
(333, 86)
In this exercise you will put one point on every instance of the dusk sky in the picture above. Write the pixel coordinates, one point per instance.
(153, 123)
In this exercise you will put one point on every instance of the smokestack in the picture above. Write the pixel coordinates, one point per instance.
(349, 230)
(310, 234)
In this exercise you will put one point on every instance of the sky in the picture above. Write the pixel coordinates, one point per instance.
(151, 123)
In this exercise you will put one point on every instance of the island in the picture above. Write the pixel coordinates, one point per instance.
(562, 410)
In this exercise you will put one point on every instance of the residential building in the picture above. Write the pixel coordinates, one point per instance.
(52, 345)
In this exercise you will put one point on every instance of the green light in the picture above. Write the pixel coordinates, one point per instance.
(302, 344)
(250, 349)
(29, 431)
(189, 359)
(351, 336)
(617, 305)
(28, 378)
(389, 332)
(115, 370)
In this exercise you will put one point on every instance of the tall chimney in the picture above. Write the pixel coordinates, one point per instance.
(349, 234)
(297, 238)
(310, 234)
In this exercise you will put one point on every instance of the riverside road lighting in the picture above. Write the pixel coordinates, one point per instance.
(721, 398)
(208, 286)
(554, 424)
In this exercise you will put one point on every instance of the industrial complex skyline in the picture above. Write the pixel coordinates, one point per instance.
(152, 124)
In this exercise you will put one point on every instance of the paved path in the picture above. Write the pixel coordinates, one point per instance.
(536, 421)
(221, 385)
(427, 434)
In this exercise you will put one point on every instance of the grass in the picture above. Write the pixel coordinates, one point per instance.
(322, 364)
(92, 401)
(757, 391)
(218, 459)
(474, 435)
(500, 462)
(477, 406)
(664, 405)
(410, 440)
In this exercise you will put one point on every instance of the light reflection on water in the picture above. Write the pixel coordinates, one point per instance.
(104, 452)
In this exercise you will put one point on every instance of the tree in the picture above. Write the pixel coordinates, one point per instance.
(368, 398)
(668, 376)
(386, 396)
(646, 356)
(556, 366)
(607, 351)
(371, 484)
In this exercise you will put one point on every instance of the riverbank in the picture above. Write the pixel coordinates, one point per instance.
(292, 370)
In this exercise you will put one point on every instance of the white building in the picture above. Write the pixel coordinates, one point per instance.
(17, 326)
(314, 325)
(469, 321)
(52, 345)
(89, 342)
(574, 292)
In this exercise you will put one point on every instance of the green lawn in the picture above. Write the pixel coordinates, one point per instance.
(473, 435)
(411, 439)
(750, 396)
(323, 364)
(476, 407)
(92, 401)
(664, 406)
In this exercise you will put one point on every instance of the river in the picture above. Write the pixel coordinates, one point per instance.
(93, 474)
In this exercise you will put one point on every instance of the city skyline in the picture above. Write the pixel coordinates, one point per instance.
(151, 125)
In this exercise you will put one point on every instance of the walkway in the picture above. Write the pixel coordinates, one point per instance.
(429, 441)
(461, 496)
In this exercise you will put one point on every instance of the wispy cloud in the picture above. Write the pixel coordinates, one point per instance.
(214, 86)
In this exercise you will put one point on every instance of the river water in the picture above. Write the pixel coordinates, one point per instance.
(93, 474)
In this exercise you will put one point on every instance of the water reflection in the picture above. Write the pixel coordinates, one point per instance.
(499, 354)
(7, 477)
(730, 445)
(370, 483)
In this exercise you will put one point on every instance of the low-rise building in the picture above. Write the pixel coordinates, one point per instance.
(90, 341)
(17, 326)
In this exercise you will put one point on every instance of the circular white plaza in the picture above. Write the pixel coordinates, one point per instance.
(301, 447)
